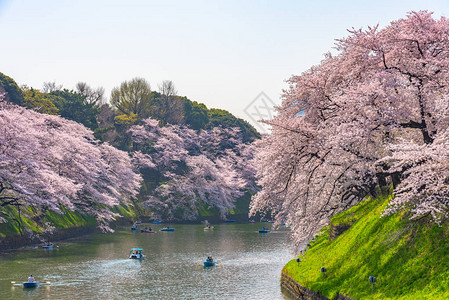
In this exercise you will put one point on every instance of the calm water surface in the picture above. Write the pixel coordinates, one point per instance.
(97, 267)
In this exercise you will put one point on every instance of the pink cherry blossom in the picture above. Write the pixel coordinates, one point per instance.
(377, 112)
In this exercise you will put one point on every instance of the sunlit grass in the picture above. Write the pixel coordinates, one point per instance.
(410, 260)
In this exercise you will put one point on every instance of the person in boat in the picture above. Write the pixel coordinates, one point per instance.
(146, 228)
(149, 229)
(209, 259)
(31, 278)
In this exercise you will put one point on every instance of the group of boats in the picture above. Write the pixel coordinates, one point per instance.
(208, 226)
(149, 230)
(137, 253)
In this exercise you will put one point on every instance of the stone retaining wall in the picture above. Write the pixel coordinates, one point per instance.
(299, 292)
(17, 241)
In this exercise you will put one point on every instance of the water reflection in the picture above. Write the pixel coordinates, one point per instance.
(98, 267)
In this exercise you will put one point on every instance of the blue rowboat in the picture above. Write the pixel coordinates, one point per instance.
(209, 263)
(48, 246)
(167, 229)
(31, 284)
(264, 231)
(230, 221)
(136, 253)
(157, 222)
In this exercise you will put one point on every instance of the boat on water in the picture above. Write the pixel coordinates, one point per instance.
(205, 222)
(271, 221)
(157, 222)
(252, 221)
(230, 221)
(263, 230)
(209, 228)
(209, 263)
(31, 284)
(168, 228)
(146, 231)
(138, 223)
(134, 228)
(48, 246)
(136, 253)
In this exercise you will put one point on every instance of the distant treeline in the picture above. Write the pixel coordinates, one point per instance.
(128, 105)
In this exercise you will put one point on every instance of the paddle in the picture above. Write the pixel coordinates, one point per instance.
(22, 282)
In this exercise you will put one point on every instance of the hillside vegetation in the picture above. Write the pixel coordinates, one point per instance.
(171, 158)
(409, 259)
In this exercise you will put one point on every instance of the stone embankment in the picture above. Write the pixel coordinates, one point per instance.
(299, 292)
(17, 241)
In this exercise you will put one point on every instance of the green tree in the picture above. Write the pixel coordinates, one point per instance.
(8, 85)
(196, 115)
(72, 106)
(133, 96)
(41, 102)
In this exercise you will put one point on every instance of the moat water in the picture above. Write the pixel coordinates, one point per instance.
(97, 266)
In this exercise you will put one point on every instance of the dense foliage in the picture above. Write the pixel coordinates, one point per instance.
(209, 175)
(12, 92)
(187, 167)
(377, 113)
(50, 162)
(74, 106)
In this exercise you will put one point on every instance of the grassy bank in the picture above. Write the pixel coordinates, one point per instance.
(410, 260)
(36, 221)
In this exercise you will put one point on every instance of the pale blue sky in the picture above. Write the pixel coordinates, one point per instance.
(221, 53)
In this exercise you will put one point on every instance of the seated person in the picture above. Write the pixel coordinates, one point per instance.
(31, 278)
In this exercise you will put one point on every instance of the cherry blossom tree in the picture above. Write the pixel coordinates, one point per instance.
(191, 167)
(375, 113)
(50, 162)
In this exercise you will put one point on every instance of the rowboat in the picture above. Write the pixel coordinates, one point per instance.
(167, 229)
(205, 222)
(48, 246)
(264, 231)
(136, 253)
(209, 228)
(31, 284)
(252, 221)
(146, 231)
(157, 222)
(230, 221)
(209, 263)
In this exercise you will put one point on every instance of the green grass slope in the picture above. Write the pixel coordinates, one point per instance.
(35, 220)
(410, 259)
